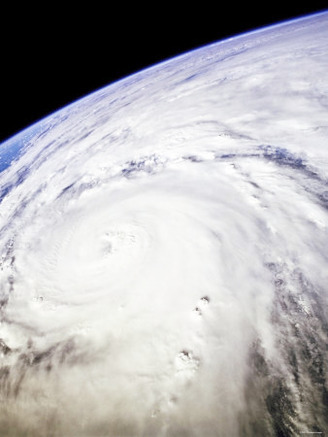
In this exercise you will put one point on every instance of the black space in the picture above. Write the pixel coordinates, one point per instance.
(53, 55)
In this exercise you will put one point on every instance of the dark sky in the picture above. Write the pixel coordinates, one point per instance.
(51, 57)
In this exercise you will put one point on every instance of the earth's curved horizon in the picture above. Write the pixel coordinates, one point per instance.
(164, 249)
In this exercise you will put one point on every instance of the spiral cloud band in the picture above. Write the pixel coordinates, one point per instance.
(164, 250)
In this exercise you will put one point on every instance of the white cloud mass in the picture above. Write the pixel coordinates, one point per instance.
(164, 250)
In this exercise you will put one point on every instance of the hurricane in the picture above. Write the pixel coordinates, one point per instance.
(163, 242)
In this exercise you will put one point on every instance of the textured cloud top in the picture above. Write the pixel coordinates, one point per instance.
(164, 250)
